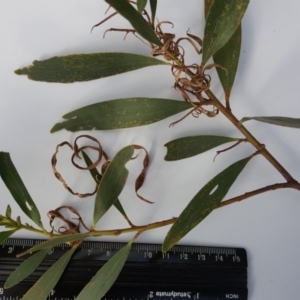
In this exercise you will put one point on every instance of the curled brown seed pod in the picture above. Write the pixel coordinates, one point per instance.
(76, 151)
(101, 152)
(70, 227)
(141, 178)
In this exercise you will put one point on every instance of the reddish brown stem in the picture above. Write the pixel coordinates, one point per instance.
(268, 188)
(250, 138)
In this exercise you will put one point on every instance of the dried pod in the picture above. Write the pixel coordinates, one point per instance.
(76, 152)
(141, 178)
(70, 227)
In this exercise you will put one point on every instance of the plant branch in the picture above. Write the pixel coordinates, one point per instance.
(142, 228)
(35, 230)
(268, 188)
(250, 138)
(273, 187)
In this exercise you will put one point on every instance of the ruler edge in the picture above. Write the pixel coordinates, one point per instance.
(13, 242)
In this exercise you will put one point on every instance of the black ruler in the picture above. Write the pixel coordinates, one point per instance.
(184, 272)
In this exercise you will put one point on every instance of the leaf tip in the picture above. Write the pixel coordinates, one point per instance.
(167, 158)
(6, 286)
(24, 71)
(166, 246)
(57, 127)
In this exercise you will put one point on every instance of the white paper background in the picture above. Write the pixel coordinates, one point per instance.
(267, 84)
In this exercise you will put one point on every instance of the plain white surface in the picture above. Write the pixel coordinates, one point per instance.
(267, 84)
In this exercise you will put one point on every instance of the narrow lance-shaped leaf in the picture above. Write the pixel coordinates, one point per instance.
(4, 235)
(223, 19)
(14, 183)
(26, 268)
(42, 288)
(141, 4)
(124, 8)
(228, 57)
(120, 113)
(204, 202)
(112, 183)
(55, 241)
(97, 177)
(193, 145)
(84, 67)
(280, 121)
(153, 6)
(106, 276)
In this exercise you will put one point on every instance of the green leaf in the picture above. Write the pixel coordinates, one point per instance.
(280, 121)
(17, 188)
(6, 234)
(153, 6)
(119, 207)
(18, 220)
(83, 67)
(42, 288)
(112, 183)
(203, 203)
(94, 172)
(228, 57)
(120, 113)
(124, 8)
(8, 212)
(26, 268)
(141, 4)
(55, 241)
(223, 19)
(207, 5)
(97, 177)
(193, 145)
(106, 276)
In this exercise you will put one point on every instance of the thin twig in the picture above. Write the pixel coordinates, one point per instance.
(268, 188)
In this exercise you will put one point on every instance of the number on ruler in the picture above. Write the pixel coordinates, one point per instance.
(201, 257)
(184, 256)
(219, 257)
(236, 259)
(148, 254)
